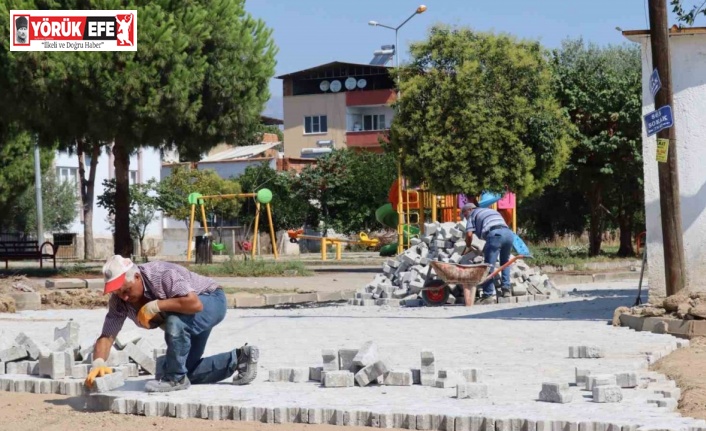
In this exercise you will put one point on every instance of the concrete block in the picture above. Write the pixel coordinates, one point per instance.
(84, 352)
(220, 412)
(20, 386)
(27, 300)
(668, 403)
(58, 345)
(128, 370)
(607, 394)
(22, 367)
(249, 301)
(428, 367)
(14, 353)
(34, 349)
(338, 379)
(471, 375)
(115, 358)
(626, 380)
(53, 366)
(582, 376)
(141, 358)
(416, 376)
(73, 388)
(44, 387)
(315, 373)
(398, 378)
(69, 333)
(600, 380)
(555, 393)
(80, 371)
(502, 300)
(592, 352)
(127, 337)
(95, 283)
(367, 355)
(428, 380)
(330, 358)
(65, 283)
(370, 373)
(472, 390)
(294, 375)
(108, 383)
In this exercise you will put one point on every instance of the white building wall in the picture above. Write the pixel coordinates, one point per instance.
(688, 54)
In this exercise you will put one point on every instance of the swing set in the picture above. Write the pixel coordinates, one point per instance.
(262, 197)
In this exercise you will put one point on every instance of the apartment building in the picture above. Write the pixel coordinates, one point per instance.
(336, 105)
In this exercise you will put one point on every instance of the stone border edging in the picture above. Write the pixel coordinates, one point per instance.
(665, 325)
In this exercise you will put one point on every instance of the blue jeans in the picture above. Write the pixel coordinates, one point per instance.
(186, 336)
(498, 242)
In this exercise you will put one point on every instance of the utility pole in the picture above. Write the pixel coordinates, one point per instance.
(669, 197)
(38, 193)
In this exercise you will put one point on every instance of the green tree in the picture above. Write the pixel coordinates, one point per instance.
(348, 187)
(199, 77)
(59, 206)
(689, 16)
(174, 190)
(601, 88)
(478, 112)
(289, 210)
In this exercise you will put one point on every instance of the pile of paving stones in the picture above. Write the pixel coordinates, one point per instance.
(403, 277)
(363, 367)
(62, 366)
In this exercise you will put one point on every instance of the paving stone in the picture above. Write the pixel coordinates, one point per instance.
(607, 394)
(405, 421)
(23, 367)
(127, 337)
(315, 373)
(315, 416)
(582, 376)
(367, 354)
(472, 390)
(471, 375)
(220, 412)
(370, 373)
(345, 358)
(80, 371)
(128, 370)
(555, 393)
(338, 379)
(69, 333)
(53, 366)
(14, 353)
(65, 283)
(668, 403)
(141, 358)
(72, 388)
(600, 380)
(330, 358)
(108, 382)
(294, 375)
(626, 380)
(34, 349)
(416, 376)
(428, 380)
(398, 378)
(159, 351)
(297, 415)
(428, 366)
(58, 345)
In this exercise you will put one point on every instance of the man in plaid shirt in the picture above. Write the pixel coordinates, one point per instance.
(186, 306)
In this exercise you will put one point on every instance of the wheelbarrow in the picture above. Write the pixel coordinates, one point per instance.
(436, 291)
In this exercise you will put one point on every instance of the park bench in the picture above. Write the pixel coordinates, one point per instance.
(26, 250)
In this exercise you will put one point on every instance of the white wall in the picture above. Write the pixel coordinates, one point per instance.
(148, 166)
(688, 53)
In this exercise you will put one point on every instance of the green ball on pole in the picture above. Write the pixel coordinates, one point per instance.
(264, 196)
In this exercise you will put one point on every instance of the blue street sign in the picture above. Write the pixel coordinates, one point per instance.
(659, 120)
(655, 83)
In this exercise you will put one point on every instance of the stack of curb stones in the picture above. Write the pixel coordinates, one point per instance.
(403, 277)
(363, 367)
(61, 367)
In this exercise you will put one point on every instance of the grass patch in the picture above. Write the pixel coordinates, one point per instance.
(576, 255)
(77, 270)
(253, 268)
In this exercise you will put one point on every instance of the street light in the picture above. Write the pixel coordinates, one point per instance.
(400, 211)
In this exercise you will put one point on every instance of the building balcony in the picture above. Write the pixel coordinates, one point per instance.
(371, 97)
(368, 140)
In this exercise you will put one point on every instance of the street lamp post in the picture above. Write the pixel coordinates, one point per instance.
(400, 210)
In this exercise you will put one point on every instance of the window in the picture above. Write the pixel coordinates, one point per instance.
(316, 124)
(133, 177)
(67, 174)
(374, 122)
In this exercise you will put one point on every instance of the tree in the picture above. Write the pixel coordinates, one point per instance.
(199, 77)
(289, 210)
(690, 16)
(144, 205)
(174, 190)
(601, 88)
(59, 200)
(348, 186)
(478, 112)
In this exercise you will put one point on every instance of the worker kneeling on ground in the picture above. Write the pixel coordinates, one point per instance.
(490, 226)
(186, 306)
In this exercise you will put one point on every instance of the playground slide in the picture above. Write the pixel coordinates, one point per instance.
(387, 216)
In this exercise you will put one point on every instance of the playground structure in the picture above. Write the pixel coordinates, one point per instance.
(412, 204)
(262, 197)
(296, 235)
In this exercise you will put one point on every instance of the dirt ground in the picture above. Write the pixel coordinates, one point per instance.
(54, 299)
(688, 368)
(31, 412)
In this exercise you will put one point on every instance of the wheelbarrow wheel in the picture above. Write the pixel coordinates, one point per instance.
(438, 295)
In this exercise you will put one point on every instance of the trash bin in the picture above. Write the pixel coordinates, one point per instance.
(204, 250)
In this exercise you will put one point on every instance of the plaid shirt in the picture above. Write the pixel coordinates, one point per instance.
(161, 280)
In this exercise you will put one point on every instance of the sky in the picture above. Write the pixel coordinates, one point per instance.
(313, 32)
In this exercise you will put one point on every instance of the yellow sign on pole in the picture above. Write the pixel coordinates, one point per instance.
(662, 150)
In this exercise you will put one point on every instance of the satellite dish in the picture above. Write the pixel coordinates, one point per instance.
(351, 83)
(336, 86)
(324, 86)
(362, 83)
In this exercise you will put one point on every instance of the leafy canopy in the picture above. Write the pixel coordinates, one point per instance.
(477, 112)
